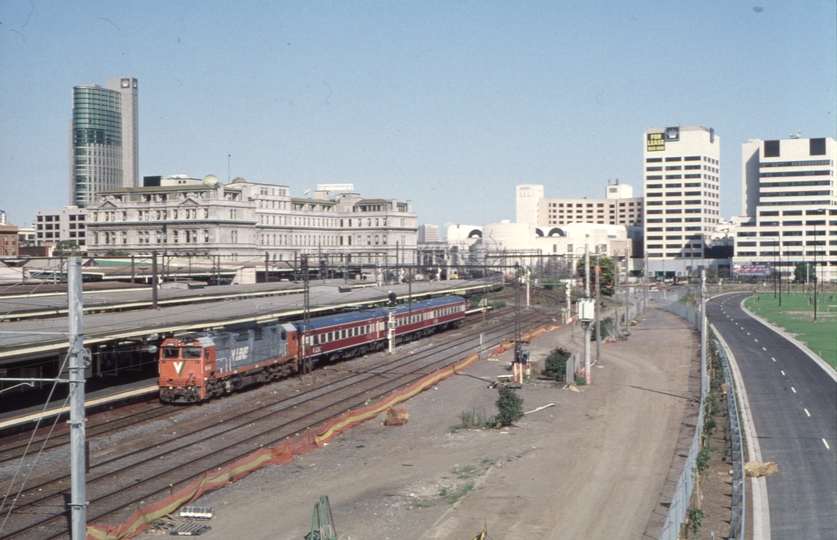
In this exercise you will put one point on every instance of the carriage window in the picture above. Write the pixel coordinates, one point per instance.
(171, 352)
(191, 352)
(284, 335)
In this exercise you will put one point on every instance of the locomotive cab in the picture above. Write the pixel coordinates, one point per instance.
(184, 365)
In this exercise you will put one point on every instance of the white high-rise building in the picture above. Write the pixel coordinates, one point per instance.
(682, 196)
(527, 197)
(789, 202)
(428, 233)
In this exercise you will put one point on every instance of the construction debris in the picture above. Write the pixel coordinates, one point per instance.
(397, 416)
(540, 408)
(190, 528)
(754, 469)
(196, 512)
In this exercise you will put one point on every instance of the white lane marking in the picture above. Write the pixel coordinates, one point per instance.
(754, 339)
(783, 372)
(826, 444)
(772, 358)
(765, 350)
(794, 389)
(806, 412)
(748, 333)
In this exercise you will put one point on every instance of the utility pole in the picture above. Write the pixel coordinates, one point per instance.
(598, 313)
(587, 324)
(78, 495)
(154, 279)
(703, 324)
(645, 292)
(616, 290)
(527, 273)
(304, 356)
(569, 301)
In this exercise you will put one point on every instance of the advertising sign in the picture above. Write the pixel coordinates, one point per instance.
(672, 134)
(655, 142)
(751, 270)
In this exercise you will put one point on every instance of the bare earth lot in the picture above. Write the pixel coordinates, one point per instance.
(593, 466)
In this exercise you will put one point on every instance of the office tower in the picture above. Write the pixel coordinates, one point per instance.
(682, 196)
(526, 202)
(428, 233)
(103, 139)
(789, 204)
(619, 207)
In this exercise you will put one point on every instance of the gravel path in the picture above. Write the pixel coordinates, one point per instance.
(593, 466)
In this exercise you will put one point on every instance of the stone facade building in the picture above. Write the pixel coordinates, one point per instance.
(244, 221)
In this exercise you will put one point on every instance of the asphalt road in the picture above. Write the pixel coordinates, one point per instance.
(794, 408)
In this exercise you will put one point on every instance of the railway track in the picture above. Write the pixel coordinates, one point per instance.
(147, 468)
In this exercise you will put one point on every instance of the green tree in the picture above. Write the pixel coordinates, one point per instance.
(66, 248)
(605, 278)
(804, 272)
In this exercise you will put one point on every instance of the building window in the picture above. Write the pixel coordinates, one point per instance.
(771, 149)
(817, 147)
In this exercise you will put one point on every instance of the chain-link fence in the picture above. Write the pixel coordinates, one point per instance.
(686, 482)
(737, 506)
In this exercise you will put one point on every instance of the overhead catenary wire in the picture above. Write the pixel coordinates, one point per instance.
(28, 445)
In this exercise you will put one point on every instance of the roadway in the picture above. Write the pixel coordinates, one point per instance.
(793, 400)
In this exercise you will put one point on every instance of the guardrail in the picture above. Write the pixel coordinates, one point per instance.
(738, 504)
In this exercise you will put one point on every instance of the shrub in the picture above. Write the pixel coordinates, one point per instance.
(497, 304)
(702, 459)
(556, 364)
(509, 407)
(580, 380)
(696, 516)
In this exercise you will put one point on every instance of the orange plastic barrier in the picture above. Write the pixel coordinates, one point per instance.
(284, 453)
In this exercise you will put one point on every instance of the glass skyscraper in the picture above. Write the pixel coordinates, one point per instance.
(103, 139)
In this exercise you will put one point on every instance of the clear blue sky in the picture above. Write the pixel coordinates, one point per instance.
(448, 104)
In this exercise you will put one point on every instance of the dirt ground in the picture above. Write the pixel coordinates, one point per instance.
(595, 465)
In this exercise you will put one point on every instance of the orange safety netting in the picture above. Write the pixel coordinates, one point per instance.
(284, 453)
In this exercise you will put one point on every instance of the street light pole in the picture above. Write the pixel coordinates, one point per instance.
(598, 312)
(616, 289)
(587, 324)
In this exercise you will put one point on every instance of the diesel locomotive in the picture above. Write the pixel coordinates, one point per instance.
(201, 366)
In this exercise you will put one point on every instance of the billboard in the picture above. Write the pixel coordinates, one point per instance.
(751, 270)
(655, 142)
